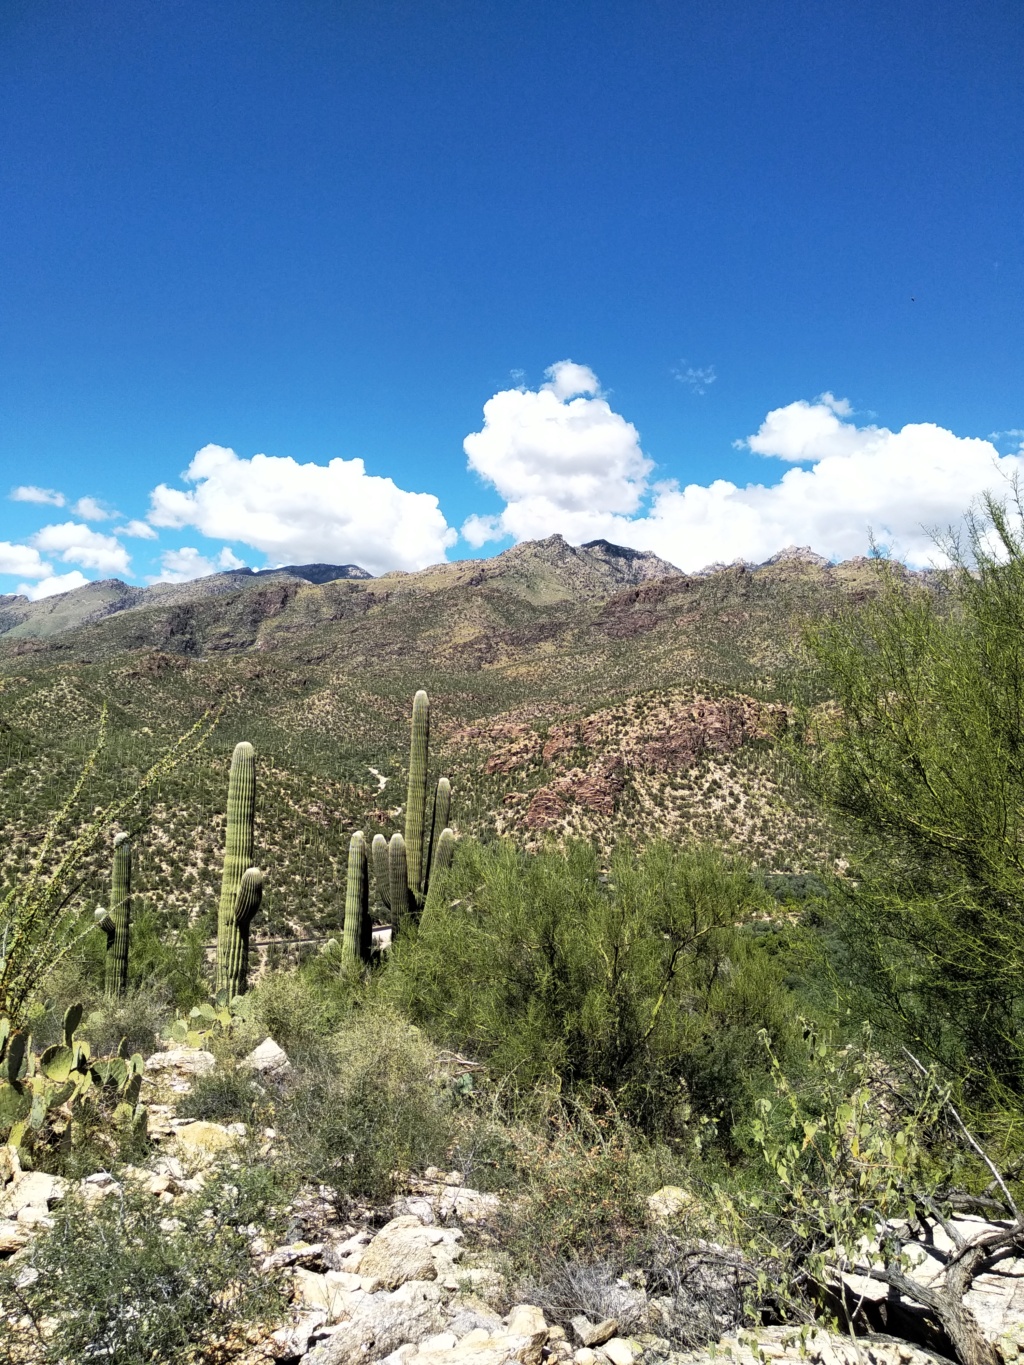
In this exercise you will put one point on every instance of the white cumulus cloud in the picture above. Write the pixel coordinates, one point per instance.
(91, 510)
(560, 458)
(303, 513)
(78, 544)
(569, 464)
(181, 566)
(140, 530)
(28, 492)
(23, 560)
(53, 584)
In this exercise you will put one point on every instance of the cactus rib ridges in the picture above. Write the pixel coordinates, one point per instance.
(442, 810)
(379, 849)
(241, 884)
(416, 800)
(357, 904)
(445, 852)
(398, 871)
(121, 914)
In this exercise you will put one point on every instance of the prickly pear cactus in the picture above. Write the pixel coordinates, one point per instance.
(40, 1095)
(241, 884)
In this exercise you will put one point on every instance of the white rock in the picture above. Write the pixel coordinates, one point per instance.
(326, 1294)
(668, 1202)
(996, 1297)
(618, 1351)
(31, 1187)
(590, 1334)
(406, 1250)
(527, 1321)
(34, 1215)
(380, 1324)
(268, 1060)
(13, 1236)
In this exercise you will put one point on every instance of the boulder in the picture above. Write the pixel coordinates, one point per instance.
(406, 1250)
(667, 1203)
(335, 1294)
(13, 1236)
(590, 1334)
(268, 1060)
(521, 1342)
(202, 1140)
(31, 1188)
(380, 1324)
(187, 1061)
(618, 1351)
(811, 1347)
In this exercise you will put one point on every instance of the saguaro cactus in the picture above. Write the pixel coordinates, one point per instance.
(403, 868)
(355, 948)
(241, 887)
(416, 797)
(116, 922)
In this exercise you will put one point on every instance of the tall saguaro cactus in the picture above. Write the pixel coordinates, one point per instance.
(116, 922)
(403, 868)
(355, 948)
(241, 888)
(416, 797)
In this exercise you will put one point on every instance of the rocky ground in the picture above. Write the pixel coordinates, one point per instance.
(420, 1284)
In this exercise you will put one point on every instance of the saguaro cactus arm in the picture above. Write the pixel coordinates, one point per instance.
(398, 871)
(250, 894)
(416, 799)
(439, 822)
(445, 852)
(357, 904)
(381, 873)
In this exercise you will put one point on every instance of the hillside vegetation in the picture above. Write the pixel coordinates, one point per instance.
(579, 691)
(696, 1011)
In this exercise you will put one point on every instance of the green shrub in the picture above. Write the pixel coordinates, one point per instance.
(922, 751)
(117, 1282)
(644, 983)
(299, 1009)
(369, 1106)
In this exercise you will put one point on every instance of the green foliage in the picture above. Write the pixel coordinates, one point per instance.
(242, 883)
(368, 1106)
(42, 1094)
(582, 1179)
(40, 917)
(643, 983)
(205, 1023)
(924, 749)
(858, 1156)
(115, 1282)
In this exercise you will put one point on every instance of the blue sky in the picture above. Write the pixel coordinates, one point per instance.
(783, 246)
